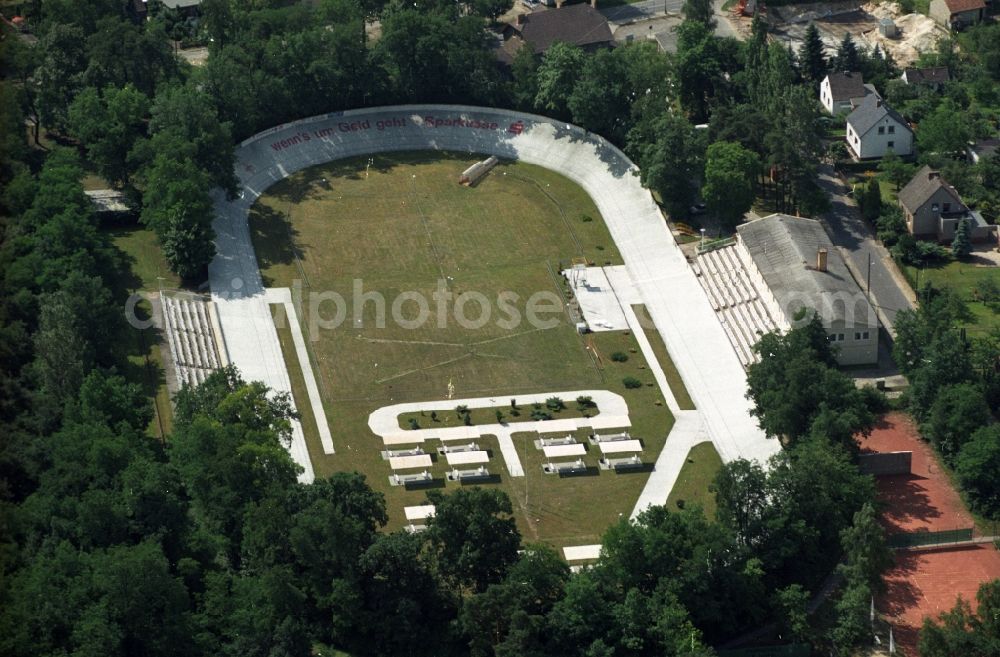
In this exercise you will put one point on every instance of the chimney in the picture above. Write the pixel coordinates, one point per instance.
(933, 175)
(878, 102)
(821, 260)
(593, 3)
(559, 4)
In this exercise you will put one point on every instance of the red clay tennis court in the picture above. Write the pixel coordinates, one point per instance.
(924, 582)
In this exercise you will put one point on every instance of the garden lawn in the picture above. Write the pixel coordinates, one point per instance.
(962, 277)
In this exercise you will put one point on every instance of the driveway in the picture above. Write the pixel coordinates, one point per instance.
(890, 291)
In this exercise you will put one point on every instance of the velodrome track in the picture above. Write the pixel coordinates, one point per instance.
(675, 300)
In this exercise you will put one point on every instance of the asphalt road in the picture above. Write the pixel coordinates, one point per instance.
(640, 11)
(848, 230)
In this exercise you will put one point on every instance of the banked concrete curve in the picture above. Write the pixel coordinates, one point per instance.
(676, 302)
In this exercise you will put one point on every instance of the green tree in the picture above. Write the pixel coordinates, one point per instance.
(895, 169)
(670, 157)
(791, 605)
(956, 412)
(730, 171)
(473, 536)
(599, 100)
(945, 130)
(697, 68)
(871, 201)
(108, 123)
(796, 382)
(740, 489)
(944, 362)
(853, 626)
(866, 555)
(848, 58)
(962, 632)
(524, 78)
(812, 58)
(961, 246)
(556, 77)
(700, 11)
(978, 470)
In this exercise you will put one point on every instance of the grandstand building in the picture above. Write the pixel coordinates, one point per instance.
(778, 268)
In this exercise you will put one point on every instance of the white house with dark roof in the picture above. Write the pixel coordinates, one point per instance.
(874, 129)
(842, 92)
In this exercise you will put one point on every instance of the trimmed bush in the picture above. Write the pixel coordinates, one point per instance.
(631, 382)
(619, 357)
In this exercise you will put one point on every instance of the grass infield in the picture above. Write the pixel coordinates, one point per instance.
(403, 226)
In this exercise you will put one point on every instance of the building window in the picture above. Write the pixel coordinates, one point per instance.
(947, 207)
(881, 130)
(892, 130)
(934, 207)
(861, 335)
(864, 335)
(891, 144)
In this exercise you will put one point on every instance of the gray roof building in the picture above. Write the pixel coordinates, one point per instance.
(845, 86)
(869, 112)
(925, 184)
(581, 25)
(933, 75)
(802, 268)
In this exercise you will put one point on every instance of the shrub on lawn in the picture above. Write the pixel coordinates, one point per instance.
(554, 404)
(583, 402)
(414, 424)
(631, 382)
(619, 357)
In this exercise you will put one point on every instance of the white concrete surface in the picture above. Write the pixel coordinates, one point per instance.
(598, 302)
(675, 301)
(467, 458)
(410, 462)
(581, 552)
(420, 512)
(562, 451)
(619, 446)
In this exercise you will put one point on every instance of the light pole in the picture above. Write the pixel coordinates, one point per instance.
(702, 249)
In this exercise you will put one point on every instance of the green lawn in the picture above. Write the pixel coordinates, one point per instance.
(145, 367)
(962, 277)
(702, 464)
(508, 414)
(663, 356)
(149, 268)
(407, 225)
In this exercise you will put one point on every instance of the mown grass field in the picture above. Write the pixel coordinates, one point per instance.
(407, 225)
(963, 277)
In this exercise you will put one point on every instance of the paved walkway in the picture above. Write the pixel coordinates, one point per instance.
(676, 302)
(688, 431)
(385, 421)
(283, 295)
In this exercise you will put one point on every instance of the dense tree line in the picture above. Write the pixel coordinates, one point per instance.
(954, 391)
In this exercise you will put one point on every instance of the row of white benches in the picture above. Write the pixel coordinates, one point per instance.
(736, 301)
(190, 338)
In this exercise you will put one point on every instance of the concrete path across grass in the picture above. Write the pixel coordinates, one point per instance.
(688, 431)
(385, 421)
(672, 295)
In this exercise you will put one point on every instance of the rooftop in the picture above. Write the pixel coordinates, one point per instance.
(958, 6)
(869, 112)
(785, 248)
(930, 75)
(924, 184)
(844, 86)
(581, 25)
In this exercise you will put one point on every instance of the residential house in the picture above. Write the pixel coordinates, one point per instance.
(874, 129)
(983, 149)
(842, 92)
(933, 209)
(934, 76)
(581, 25)
(957, 14)
(140, 8)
